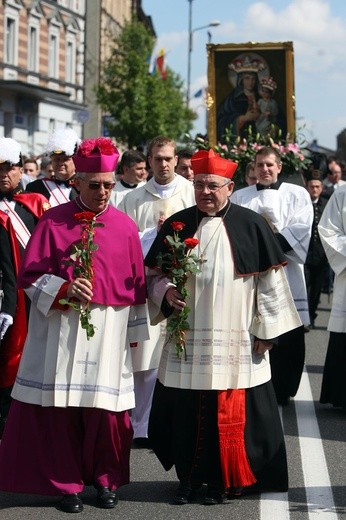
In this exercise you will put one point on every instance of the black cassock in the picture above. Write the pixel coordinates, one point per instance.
(183, 426)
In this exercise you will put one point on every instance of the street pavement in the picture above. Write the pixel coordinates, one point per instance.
(315, 438)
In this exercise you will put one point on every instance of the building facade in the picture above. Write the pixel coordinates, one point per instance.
(41, 69)
(51, 54)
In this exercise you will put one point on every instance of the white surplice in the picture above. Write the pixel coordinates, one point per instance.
(95, 373)
(289, 211)
(145, 206)
(332, 230)
(227, 311)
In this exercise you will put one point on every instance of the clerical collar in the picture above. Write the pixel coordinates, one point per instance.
(126, 185)
(83, 206)
(220, 213)
(9, 194)
(68, 182)
(274, 186)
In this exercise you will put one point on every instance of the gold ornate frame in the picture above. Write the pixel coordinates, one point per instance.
(279, 60)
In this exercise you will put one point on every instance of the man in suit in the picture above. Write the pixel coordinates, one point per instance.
(316, 260)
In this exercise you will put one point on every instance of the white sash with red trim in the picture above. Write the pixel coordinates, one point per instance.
(58, 193)
(22, 232)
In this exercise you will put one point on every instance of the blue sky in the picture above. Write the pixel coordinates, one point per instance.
(316, 27)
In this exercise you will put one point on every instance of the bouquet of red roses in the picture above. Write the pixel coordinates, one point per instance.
(81, 259)
(179, 263)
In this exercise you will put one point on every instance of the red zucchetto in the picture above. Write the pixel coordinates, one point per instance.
(209, 162)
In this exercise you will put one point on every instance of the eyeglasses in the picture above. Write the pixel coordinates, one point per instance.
(213, 187)
(108, 185)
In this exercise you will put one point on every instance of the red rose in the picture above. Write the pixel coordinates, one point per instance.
(177, 226)
(84, 216)
(191, 242)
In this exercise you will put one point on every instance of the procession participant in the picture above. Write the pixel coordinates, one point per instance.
(165, 193)
(19, 214)
(214, 415)
(132, 170)
(46, 168)
(288, 209)
(59, 188)
(332, 230)
(184, 167)
(83, 270)
(30, 171)
(8, 307)
(24, 209)
(316, 263)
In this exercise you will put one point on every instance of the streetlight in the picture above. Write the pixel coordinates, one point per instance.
(214, 23)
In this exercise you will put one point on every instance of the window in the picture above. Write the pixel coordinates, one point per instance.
(10, 41)
(51, 125)
(53, 55)
(70, 62)
(33, 49)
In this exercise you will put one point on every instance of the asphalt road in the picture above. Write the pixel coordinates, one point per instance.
(315, 437)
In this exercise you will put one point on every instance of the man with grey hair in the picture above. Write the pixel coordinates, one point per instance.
(19, 213)
(214, 415)
(84, 273)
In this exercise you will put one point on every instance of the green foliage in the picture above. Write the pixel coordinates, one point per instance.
(84, 316)
(243, 151)
(141, 105)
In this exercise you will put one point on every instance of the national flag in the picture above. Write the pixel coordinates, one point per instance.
(157, 64)
(160, 64)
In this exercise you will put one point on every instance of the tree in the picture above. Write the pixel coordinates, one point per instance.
(140, 105)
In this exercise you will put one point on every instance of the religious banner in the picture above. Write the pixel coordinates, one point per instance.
(250, 90)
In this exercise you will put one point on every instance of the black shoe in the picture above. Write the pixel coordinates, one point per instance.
(235, 492)
(71, 504)
(183, 494)
(214, 496)
(106, 498)
(141, 442)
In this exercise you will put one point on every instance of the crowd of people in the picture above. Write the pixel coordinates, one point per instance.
(90, 245)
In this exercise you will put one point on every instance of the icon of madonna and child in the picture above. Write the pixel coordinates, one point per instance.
(251, 107)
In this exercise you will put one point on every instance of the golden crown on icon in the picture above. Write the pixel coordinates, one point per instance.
(268, 83)
(246, 64)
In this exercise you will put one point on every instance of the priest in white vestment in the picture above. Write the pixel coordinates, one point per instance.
(288, 209)
(332, 230)
(164, 194)
(214, 414)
